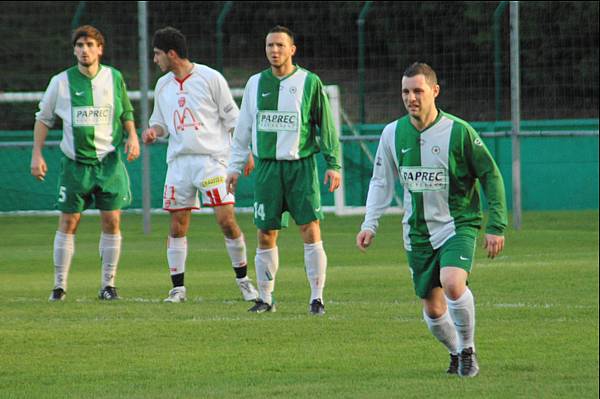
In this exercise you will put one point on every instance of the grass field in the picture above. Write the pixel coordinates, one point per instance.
(537, 318)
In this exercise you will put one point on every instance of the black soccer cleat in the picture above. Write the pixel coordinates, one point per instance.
(317, 307)
(453, 366)
(58, 294)
(108, 293)
(467, 363)
(262, 307)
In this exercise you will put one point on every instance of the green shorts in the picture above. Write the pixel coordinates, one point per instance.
(291, 186)
(106, 184)
(425, 262)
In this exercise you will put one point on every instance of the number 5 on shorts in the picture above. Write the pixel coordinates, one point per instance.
(259, 211)
(62, 194)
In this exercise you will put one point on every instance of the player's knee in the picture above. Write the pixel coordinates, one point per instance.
(110, 225)
(435, 310)
(311, 232)
(228, 225)
(68, 223)
(454, 282)
(454, 288)
(267, 238)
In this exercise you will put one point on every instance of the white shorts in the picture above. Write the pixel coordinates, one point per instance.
(188, 174)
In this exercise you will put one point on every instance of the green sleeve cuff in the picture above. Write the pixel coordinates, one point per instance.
(127, 116)
(497, 231)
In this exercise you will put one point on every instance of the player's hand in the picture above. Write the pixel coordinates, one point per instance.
(249, 165)
(334, 178)
(149, 135)
(231, 182)
(132, 147)
(38, 167)
(494, 245)
(364, 239)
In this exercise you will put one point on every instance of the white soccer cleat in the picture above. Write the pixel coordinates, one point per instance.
(176, 295)
(247, 289)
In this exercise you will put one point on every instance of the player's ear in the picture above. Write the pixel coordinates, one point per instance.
(171, 54)
(293, 48)
(436, 91)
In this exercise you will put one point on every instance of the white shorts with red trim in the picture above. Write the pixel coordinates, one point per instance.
(189, 174)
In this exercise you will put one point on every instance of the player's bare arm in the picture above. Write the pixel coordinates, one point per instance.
(364, 239)
(494, 245)
(231, 182)
(150, 135)
(334, 178)
(132, 145)
(38, 163)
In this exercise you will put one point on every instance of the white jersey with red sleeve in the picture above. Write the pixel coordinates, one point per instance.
(197, 112)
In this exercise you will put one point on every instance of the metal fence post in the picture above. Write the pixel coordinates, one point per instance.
(220, 21)
(515, 100)
(78, 14)
(144, 109)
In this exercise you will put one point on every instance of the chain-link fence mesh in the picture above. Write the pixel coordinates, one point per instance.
(559, 50)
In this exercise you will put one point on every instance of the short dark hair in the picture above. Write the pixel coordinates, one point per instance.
(87, 31)
(169, 38)
(421, 68)
(283, 29)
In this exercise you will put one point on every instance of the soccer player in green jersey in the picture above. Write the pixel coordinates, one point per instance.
(439, 159)
(91, 99)
(283, 110)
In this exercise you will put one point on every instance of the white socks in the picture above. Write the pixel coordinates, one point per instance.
(462, 312)
(110, 251)
(315, 262)
(236, 248)
(64, 248)
(176, 254)
(443, 329)
(266, 263)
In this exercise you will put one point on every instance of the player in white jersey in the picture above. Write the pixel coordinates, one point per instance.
(439, 159)
(194, 107)
(285, 111)
(92, 102)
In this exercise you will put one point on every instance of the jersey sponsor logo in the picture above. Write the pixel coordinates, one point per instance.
(213, 181)
(181, 102)
(277, 121)
(420, 179)
(183, 120)
(92, 116)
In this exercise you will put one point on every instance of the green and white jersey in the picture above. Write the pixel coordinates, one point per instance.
(92, 111)
(282, 119)
(438, 169)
